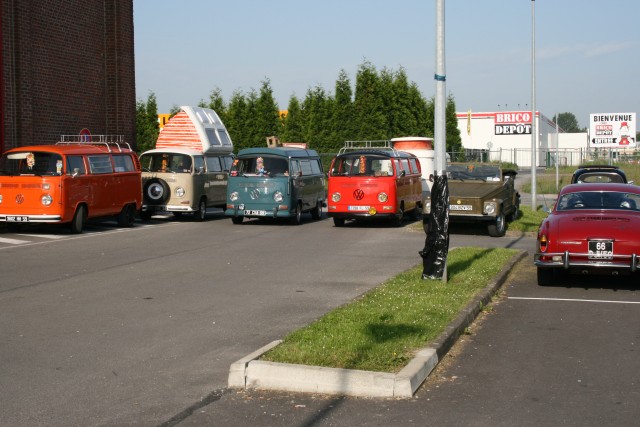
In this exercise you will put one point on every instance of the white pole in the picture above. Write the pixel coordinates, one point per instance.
(534, 127)
(439, 132)
(557, 152)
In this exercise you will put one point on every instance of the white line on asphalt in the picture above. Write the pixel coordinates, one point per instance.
(13, 241)
(45, 236)
(577, 300)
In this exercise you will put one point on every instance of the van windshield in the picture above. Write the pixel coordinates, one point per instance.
(361, 165)
(265, 166)
(31, 163)
(166, 162)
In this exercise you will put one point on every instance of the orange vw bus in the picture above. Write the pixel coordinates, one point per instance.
(70, 182)
(373, 182)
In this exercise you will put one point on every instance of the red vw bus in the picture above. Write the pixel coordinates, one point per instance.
(374, 182)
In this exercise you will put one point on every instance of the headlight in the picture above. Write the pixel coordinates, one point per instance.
(335, 197)
(46, 200)
(382, 197)
(277, 197)
(427, 208)
(233, 196)
(490, 208)
(180, 192)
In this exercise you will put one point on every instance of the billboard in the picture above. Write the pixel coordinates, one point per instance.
(512, 123)
(612, 130)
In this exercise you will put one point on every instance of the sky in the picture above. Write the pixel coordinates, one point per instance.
(587, 57)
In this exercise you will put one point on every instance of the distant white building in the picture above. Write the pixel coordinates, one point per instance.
(506, 136)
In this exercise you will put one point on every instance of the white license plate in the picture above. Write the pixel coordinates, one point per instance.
(13, 218)
(255, 212)
(460, 207)
(600, 249)
(358, 208)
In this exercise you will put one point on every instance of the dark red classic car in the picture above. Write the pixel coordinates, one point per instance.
(592, 229)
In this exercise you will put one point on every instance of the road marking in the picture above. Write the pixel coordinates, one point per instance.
(577, 300)
(45, 236)
(13, 241)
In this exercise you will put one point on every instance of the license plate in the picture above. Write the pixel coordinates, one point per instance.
(600, 249)
(255, 212)
(358, 208)
(460, 207)
(13, 218)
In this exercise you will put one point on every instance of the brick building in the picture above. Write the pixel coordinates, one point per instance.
(66, 65)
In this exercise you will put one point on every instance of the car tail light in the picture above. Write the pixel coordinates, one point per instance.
(543, 243)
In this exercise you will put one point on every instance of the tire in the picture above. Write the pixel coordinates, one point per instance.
(296, 219)
(237, 219)
(516, 212)
(127, 216)
(77, 223)
(499, 227)
(316, 213)
(156, 191)
(546, 276)
(338, 222)
(416, 214)
(399, 218)
(201, 213)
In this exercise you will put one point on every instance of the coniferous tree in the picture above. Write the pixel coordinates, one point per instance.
(317, 107)
(406, 109)
(236, 119)
(216, 103)
(267, 118)
(293, 126)
(147, 127)
(342, 121)
(370, 117)
(454, 142)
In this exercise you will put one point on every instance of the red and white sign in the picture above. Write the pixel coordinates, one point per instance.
(512, 123)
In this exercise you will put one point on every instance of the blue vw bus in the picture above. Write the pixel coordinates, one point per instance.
(276, 182)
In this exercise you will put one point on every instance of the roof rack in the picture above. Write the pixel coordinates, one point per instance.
(108, 141)
(380, 144)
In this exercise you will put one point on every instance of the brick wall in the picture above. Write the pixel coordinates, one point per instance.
(67, 65)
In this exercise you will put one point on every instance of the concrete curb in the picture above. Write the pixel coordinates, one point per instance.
(250, 373)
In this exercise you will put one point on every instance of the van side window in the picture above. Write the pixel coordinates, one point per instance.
(227, 163)
(123, 163)
(414, 165)
(305, 166)
(198, 163)
(100, 164)
(316, 167)
(213, 164)
(75, 163)
(405, 166)
(295, 167)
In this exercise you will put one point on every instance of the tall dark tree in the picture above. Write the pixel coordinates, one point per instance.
(293, 125)
(236, 119)
(568, 122)
(405, 119)
(147, 127)
(267, 119)
(342, 121)
(454, 141)
(317, 113)
(217, 104)
(369, 114)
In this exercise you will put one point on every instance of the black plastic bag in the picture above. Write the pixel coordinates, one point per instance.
(436, 245)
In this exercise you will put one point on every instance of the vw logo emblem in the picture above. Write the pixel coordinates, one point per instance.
(358, 194)
(255, 194)
(19, 198)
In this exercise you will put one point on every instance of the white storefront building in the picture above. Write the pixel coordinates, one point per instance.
(506, 136)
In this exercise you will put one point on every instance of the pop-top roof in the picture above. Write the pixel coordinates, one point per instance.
(195, 128)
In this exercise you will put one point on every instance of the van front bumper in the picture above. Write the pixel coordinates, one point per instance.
(167, 208)
(273, 212)
(24, 219)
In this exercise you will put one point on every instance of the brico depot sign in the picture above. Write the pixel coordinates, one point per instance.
(612, 130)
(513, 123)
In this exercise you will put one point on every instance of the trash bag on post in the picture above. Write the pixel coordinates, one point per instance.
(436, 245)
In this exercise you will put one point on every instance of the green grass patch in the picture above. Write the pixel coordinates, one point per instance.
(381, 330)
(529, 220)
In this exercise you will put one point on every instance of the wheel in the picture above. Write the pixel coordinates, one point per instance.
(201, 213)
(316, 212)
(156, 191)
(416, 214)
(498, 227)
(338, 222)
(77, 223)
(237, 219)
(516, 212)
(397, 220)
(296, 219)
(127, 216)
(546, 276)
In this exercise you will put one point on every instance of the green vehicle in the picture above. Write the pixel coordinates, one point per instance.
(277, 182)
(480, 193)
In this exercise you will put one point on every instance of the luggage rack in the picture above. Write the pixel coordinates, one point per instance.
(108, 141)
(380, 144)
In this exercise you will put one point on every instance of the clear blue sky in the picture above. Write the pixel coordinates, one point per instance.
(587, 51)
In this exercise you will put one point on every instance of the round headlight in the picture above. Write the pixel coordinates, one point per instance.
(335, 197)
(180, 192)
(382, 197)
(233, 196)
(46, 200)
(277, 197)
(490, 208)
